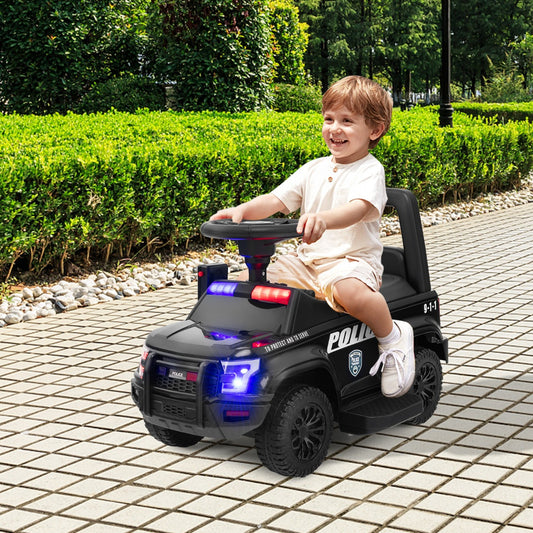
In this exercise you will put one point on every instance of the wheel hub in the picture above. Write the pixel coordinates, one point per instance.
(426, 384)
(308, 433)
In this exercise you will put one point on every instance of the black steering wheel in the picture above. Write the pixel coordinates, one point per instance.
(256, 239)
(276, 229)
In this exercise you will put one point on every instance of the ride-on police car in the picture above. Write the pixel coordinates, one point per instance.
(275, 363)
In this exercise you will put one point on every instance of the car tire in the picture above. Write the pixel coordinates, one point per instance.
(172, 437)
(428, 383)
(295, 436)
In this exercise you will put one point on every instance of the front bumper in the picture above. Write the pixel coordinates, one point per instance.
(196, 407)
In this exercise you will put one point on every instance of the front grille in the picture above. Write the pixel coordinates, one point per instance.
(175, 385)
(177, 412)
(173, 376)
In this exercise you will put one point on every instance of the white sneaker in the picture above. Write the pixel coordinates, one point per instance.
(398, 363)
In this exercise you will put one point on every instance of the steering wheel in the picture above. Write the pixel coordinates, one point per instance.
(256, 239)
(275, 229)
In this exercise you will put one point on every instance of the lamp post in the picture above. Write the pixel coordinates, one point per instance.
(446, 109)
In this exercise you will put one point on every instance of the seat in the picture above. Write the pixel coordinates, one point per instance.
(395, 285)
(395, 288)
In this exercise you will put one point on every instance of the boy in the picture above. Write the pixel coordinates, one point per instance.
(341, 199)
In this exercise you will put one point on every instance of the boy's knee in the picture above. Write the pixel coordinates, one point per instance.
(350, 293)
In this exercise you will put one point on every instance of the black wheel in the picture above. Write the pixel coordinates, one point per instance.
(295, 437)
(171, 437)
(428, 383)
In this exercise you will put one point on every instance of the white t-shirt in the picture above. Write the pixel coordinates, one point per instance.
(310, 189)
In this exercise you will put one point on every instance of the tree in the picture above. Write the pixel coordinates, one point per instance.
(51, 52)
(359, 31)
(483, 32)
(216, 53)
(399, 41)
(392, 38)
(505, 84)
(409, 47)
(289, 42)
(522, 52)
(320, 16)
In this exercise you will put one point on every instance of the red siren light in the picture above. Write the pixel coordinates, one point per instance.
(275, 295)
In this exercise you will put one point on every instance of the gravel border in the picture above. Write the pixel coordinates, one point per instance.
(39, 301)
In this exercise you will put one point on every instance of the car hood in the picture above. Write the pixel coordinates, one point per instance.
(188, 338)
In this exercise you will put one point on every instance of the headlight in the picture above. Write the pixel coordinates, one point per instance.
(237, 375)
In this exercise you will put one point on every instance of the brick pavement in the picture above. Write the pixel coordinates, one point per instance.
(74, 454)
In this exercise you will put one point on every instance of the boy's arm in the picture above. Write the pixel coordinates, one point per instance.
(313, 225)
(260, 207)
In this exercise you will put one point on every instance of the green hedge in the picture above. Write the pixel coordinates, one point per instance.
(441, 164)
(92, 184)
(501, 112)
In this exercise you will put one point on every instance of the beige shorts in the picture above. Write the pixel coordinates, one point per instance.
(322, 275)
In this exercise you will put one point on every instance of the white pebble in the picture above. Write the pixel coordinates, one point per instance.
(80, 291)
(13, 318)
(37, 292)
(29, 315)
(27, 293)
(112, 293)
(66, 299)
(89, 300)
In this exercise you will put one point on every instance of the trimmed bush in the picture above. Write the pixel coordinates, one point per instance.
(90, 184)
(500, 112)
(441, 164)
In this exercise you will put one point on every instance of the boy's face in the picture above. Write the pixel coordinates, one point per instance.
(347, 135)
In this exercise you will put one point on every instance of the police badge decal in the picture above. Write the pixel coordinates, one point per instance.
(355, 362)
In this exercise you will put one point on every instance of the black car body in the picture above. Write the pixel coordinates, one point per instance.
(252, 358)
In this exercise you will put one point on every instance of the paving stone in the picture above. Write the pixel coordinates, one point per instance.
(423, 521)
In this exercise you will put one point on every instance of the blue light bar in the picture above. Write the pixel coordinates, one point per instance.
(222, 288)
(218, 336)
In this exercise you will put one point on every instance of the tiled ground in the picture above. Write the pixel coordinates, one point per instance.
(74, 455)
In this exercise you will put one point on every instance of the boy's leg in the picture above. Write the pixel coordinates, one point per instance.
(290, 270)
(396, 342)
(363, 303)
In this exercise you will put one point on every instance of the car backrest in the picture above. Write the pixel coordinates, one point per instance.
(414, 247)
(393, 261)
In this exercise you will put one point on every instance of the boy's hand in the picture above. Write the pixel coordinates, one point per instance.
(260, 207)
(234, 213)
(312, 225)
